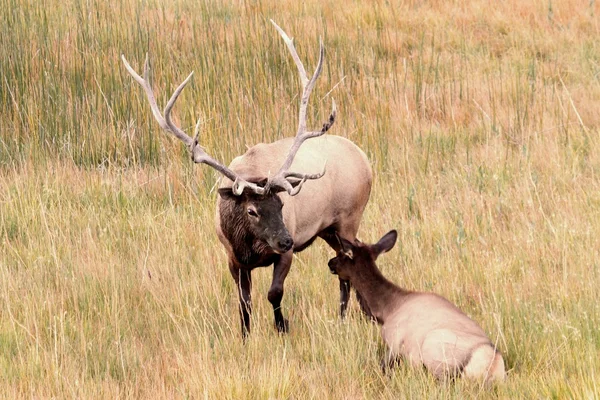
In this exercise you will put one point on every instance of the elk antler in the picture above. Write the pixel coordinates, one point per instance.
(197, 152)
(282, 177)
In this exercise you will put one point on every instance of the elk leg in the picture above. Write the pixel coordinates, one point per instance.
(330, 236)
(243, 281)
(344, 297)
(280, 271)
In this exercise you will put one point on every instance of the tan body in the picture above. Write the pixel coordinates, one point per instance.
(427, 329)
(424, 328)
(337, 200)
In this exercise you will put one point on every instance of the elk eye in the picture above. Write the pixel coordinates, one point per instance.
(252, 212)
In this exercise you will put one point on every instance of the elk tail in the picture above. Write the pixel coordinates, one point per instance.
(485, 363)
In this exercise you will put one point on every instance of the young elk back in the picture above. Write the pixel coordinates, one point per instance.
(264, 213)
(424, 328)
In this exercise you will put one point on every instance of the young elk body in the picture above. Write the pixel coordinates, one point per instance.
(262, 215)
(424, 328)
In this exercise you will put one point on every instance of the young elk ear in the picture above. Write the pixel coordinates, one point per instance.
(385, 244)
(345, 247)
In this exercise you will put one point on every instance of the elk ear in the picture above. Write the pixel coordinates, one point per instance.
(295, 183)
(385, 244)
(345, 247)
(348, 253)
(277, 188)
(227, 194)
(262, 182)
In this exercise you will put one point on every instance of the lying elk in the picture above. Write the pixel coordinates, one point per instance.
(424, 328)
(262, 219)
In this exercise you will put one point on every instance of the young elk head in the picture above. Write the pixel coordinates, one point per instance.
(354, 257)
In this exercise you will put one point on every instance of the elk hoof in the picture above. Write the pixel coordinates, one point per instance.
(283, 325)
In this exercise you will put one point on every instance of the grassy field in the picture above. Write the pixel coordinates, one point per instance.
(481, 120)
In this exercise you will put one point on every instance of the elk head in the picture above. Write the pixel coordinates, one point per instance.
(258, 207)
(354, 257)
(256, 218)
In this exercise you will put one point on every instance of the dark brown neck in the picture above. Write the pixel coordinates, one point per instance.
(381, 295)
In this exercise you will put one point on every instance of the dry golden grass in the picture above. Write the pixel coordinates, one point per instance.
(481, 122)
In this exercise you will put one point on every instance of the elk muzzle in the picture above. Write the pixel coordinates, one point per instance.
(281, 243)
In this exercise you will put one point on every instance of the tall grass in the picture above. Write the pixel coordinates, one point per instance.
(480, 120)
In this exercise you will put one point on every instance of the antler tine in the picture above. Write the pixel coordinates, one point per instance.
(290, 44)
(167, 113)
(200, 156)
(301, 135)
(308, 90)
(307, 87)
(197, 131)
(165, 122)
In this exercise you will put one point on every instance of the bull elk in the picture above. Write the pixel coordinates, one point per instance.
(263, 218)
(424, 328)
